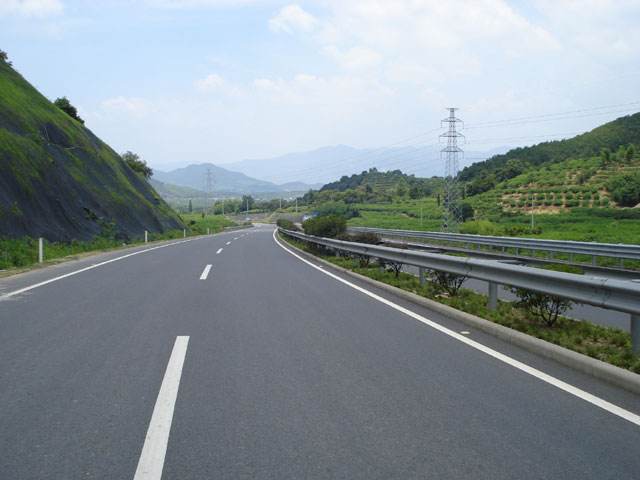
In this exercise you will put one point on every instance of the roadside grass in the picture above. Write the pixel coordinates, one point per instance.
(609, 345)
(18, 253)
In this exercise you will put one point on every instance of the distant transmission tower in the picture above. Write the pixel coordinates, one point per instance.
(208, 182)
(451, 153)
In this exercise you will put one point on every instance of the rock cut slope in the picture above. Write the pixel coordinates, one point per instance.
(58, 180)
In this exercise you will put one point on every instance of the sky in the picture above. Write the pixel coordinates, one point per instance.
(191, 81)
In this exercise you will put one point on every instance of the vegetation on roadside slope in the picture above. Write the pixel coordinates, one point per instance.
(23, 252)
(59, 181)
(610, 345)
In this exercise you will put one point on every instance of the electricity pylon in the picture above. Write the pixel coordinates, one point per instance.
(451, 153)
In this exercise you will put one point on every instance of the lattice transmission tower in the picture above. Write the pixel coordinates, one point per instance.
(451, 155)
(208, 188)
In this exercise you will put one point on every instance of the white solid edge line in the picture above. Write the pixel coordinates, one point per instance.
(205, 272)
(91, 267)
(151, 460)
(219, 250)
(586, 396)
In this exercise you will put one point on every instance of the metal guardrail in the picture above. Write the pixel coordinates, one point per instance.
(619, 295)
(615, 250)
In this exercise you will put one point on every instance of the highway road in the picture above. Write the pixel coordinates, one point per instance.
(229, 357)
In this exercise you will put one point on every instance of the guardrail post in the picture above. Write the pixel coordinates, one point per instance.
(40, 250)
(492, 301)
(421, 275)
(594, 260)
(635, 334)
(146, 237)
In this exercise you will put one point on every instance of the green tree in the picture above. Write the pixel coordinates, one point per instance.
(466, 211)
(137, 164)
(247, 202)
(190, 206)
(65, 105)
(327, 226)
(630, 153)
(625, 189)
(605, 156)
(4, 58)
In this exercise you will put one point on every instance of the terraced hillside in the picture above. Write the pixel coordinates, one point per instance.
(59, 181)
(557, 187)
(589, 171)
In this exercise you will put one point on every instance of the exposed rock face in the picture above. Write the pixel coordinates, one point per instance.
(59, 181)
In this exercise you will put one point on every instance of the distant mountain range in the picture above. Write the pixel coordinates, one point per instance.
(302, 171)
(327, 164)
(191, 181)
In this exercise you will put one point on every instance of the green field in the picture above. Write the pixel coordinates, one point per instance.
(582, 224)
(422, 214)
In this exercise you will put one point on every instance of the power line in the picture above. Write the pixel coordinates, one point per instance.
(615, 108)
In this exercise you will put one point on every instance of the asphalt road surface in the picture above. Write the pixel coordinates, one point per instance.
(228, 357)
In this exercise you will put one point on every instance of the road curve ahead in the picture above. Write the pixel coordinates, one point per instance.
(228, 357)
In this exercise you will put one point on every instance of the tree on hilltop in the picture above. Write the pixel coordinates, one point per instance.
(65, 105)
(137, 164)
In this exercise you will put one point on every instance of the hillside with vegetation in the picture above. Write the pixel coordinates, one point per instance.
(583, 188)
(61, 182)
(483, 176)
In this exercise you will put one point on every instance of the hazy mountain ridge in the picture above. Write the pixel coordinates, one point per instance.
(325, 164)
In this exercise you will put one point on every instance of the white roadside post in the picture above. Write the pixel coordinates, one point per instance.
(184, 233)
(40, 250)
(146, 237)
(208, 231)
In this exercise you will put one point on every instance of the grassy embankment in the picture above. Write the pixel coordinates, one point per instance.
(23, 252)
(607, 344)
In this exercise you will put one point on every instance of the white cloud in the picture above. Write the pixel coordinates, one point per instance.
(292, 18)
(30, 8)
(210, 83)
(133, 106)
(354, 57)
(189, 4)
